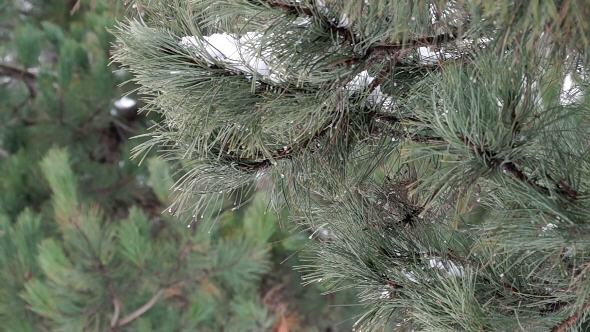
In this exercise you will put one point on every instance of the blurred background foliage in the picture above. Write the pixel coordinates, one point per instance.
(84, 245)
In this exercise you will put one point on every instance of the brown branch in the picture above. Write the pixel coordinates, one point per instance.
(510, 168)
(507, 167)
(76, 7)
(348, 35)
(141, 310)
(290, 8)
(382, 75)
(571, 320)
(8, 70)
(285, 153)
(22, 74)
(416, 42)
(582, 273)
(116, 312)
(563, 188)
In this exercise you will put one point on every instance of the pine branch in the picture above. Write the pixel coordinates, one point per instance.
(562, 187)
(397, 51)
(349, 36)
(285, 153)
(75, 7)
(8, 70)
(290, 8)
(571, 320)
(514, 170)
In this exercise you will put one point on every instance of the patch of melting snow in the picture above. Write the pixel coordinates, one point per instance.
(376, 98)
(243, 55)
(570, 91)
(125, 103)
(239, 54)
(449, 267)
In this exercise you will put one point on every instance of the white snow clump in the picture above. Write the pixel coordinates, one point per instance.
(376, 98)
(449, 267)
(570, 91)
(239, 54)
(243, 55)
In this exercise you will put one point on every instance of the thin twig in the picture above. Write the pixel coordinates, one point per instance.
(116, 312)
(416, 42)
(507, 167)
(141, 310)
(24, 75)
(290, 8)
(8, 70)
(75, 7)
(563, 188)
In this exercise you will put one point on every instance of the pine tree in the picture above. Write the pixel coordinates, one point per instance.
(57, 90)
(438, 149)
(84, 245)
(97, 275)
(144, 273)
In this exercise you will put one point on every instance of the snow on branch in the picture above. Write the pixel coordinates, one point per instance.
(361, 82)
(238, 54)
(570, 91)
(448, 267)
(243, 55)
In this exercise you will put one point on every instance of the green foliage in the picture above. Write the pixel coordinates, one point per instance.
(59, 90)
(438, 150)
(135, 248)
(18, 251)
(28, 44)
(160, 179)
(96, 274)
(58, 173)
(83, 241)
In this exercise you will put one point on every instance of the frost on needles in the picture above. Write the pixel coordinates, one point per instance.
(436, 150)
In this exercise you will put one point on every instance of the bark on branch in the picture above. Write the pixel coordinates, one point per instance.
(572, 320)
